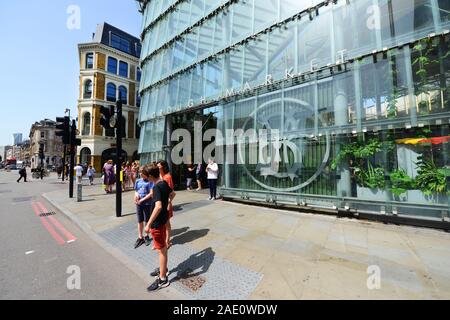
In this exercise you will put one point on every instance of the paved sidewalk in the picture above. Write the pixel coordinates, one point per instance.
(225, 250)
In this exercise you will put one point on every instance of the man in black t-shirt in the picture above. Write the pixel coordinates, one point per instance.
(162, 198)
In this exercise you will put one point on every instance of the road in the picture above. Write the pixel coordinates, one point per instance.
(49, 257)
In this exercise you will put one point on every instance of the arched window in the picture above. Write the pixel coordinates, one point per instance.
(89, 61)
(86, 124)
(85, 156)
(138, 130)
(87, 90)
(123, 69)
(138, 74)
(138, 99)
(111, 92)
(123, 94)
(112, 65)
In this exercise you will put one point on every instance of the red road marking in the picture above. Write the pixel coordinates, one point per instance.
(67, 234)
(49, 228)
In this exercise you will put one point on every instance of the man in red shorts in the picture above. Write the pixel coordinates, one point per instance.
(162, 199)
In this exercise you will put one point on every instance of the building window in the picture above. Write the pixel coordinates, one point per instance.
(123, 94)
(112, 65)
(138, 130)
(138, 99)
(86, 124)
(123, 69)
(89, 61)
(120, 43)
(138, 49)
(87, 90)
(111, 92)
(85, 156)
(138, 74)
(42, 134)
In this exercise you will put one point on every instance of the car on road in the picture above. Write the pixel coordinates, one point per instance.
(11, 167)
(2, 166)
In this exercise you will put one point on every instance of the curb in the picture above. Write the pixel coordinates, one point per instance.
(169, 293)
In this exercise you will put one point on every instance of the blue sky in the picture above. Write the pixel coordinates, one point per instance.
(39, 56)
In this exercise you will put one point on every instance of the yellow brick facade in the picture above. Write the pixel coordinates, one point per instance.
(99, 86)
(130, 125)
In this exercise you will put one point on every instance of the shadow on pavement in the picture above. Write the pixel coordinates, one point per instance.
(189, 236)
(176, 232)
(179, 207)
(194, 266)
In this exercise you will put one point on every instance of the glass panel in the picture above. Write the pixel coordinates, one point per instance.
(266, 13)
(197, 86)
(233, 69)
(444, 9)
(213, 78)
(241, 13)
(282, 51)
(206, 39)
(314, 38)
(196, 11)
(255, 61)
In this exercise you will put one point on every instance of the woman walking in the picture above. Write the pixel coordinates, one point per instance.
(110, 177)
(198, 176)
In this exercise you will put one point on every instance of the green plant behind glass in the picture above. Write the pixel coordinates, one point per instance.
(401, 182)
(430, 179)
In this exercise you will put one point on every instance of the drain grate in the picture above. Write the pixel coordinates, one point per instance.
(46, 214)
(5, 191)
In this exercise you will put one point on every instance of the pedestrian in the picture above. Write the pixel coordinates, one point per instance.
(67, 171)
(134, 173)
(189, 176)
(41, 171)
(124, 175)
(164, 172)
(199, 176)
(143, 200)
(90, 174)
(23, 174)
(79, 173)
(213, 174)
(59, 171)
(109, 176)
(163, 196)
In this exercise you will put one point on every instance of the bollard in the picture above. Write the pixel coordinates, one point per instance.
(79, 192)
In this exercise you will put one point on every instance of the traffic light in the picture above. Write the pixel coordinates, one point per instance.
(63, 129)
(107, 119)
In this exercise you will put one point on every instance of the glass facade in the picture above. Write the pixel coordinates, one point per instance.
(358, 89)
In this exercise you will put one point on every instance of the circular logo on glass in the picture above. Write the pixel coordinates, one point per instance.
(289, 152)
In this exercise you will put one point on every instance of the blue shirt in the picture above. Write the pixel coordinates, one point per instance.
(143, 188)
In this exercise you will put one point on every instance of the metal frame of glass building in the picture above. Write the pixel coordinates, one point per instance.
(359, 87)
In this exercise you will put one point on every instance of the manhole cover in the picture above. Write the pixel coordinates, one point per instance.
(46, 214)
(193, 283)
(23, 199)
